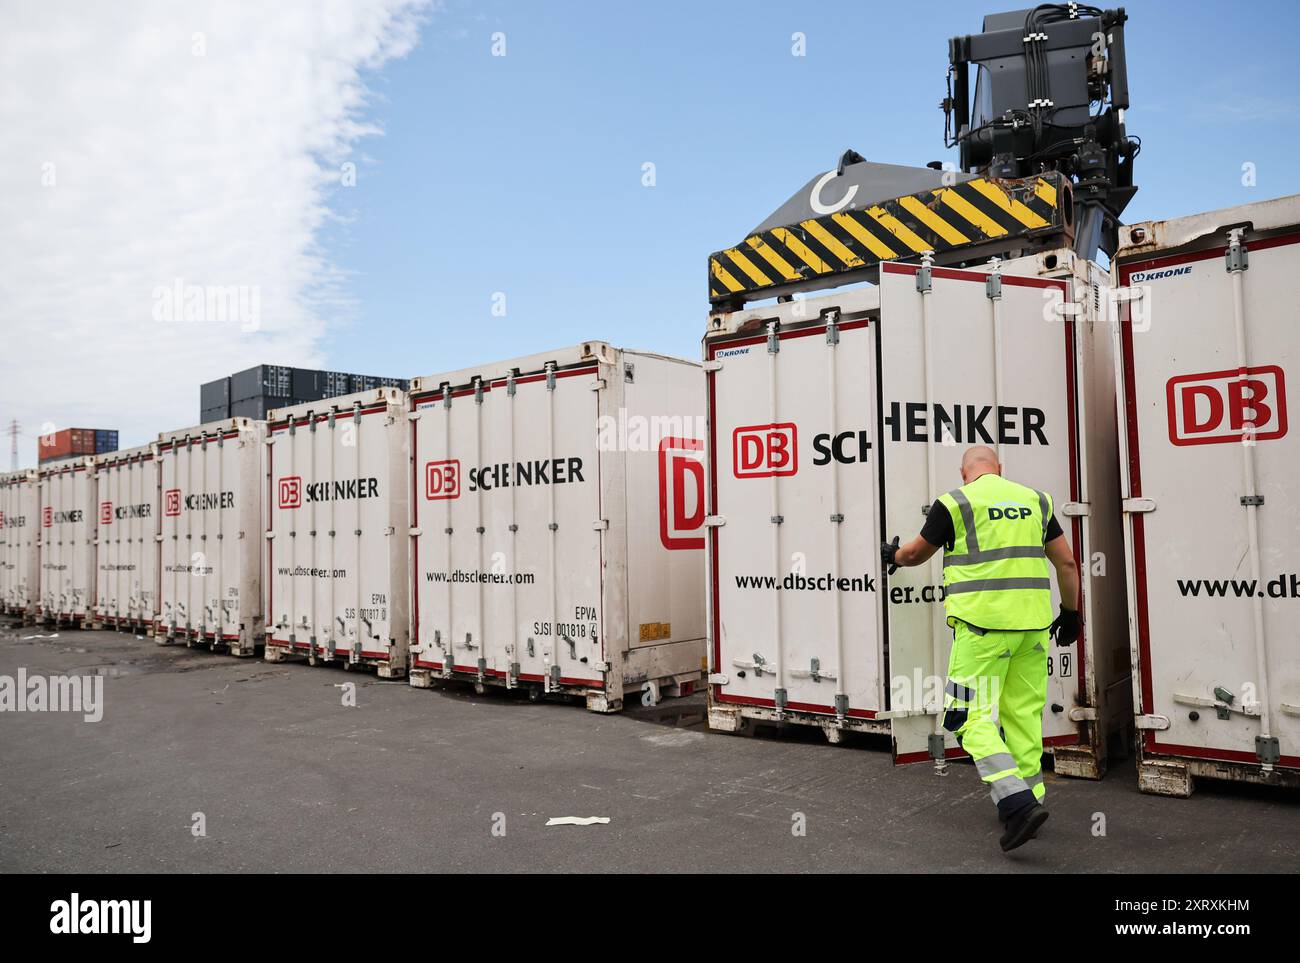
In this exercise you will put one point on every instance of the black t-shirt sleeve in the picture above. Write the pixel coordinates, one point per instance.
(938, 530)
(1053, 530)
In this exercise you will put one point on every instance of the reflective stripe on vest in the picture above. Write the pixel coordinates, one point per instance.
(996, 575)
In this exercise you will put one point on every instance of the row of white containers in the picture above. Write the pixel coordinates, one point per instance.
(533, 522)
(544, 521)
(835, 420)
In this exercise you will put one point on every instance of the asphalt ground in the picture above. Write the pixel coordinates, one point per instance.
(289, 779)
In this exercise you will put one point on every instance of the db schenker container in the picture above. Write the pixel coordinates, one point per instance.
(336, 553)
(1208, 348)
(835, 422)
(20, 574)
(67, 549)
(557, 524)
(126, 557)
(210, 480)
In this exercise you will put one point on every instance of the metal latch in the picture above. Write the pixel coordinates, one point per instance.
(1136, 506)
(1076, 509)
(1082, 714)
(814, 671)
(717, 678)
(758, 665)
(712, 366)
(600, 524)
(1151, 722)
(715, 521)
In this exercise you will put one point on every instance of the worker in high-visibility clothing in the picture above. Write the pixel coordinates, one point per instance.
(997, 538)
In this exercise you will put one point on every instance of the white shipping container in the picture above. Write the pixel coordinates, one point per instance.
(1208, 339)
(557, 526)
(67, 549)
(211, 478)
(337, 574)
(20, 574)
(126, 557)
(835, 422)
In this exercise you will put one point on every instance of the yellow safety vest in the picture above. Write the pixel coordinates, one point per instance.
(995, 576)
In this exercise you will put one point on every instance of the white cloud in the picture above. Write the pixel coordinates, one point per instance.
(147, 143)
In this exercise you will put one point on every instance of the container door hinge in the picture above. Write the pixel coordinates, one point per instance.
(1268, 750)
(412, 416)
(1137, 506)
(773, 339)
(715, 521)
(600, 666)
(924, 279)
(1151, 722)
(717, 678)
(415, 532)
(1083, 714)
(1236, 258)
(600, 525)
(1076, 509)
(598, 385)
(712, 366)
(1252, 501)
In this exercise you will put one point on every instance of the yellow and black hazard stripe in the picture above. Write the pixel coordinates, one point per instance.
(940, 220)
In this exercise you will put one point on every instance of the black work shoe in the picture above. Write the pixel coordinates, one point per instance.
(1023, 826)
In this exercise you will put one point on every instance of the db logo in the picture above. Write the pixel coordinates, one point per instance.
(442, 479)
(1222, 406)
(172, 502)
(291, 491)
(681, 493)
(762, 451)
(47, 516)
(106, 513)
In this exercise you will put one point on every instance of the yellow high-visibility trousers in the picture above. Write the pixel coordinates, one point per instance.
(1006, 671)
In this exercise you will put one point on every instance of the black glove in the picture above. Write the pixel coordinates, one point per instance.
(1066, 627)
(887, 552)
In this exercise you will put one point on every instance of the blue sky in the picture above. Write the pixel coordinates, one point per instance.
(155, 145)
(522, 174)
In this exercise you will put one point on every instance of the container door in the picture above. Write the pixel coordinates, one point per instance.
(795, 560)
(507, 501)
(173, 570)
(1001, 371)
(107, 562)
(329, 567)
(1209, 445)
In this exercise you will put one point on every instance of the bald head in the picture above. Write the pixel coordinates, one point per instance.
(979, 460)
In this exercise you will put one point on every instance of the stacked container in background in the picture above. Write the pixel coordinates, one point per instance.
(254, 392)
(336, 552)
(67, 544)
(126, 591)
(557, 524)
(1208, 341)
(210, 525)
(76, 442)
(835, 422)
(20, 574)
